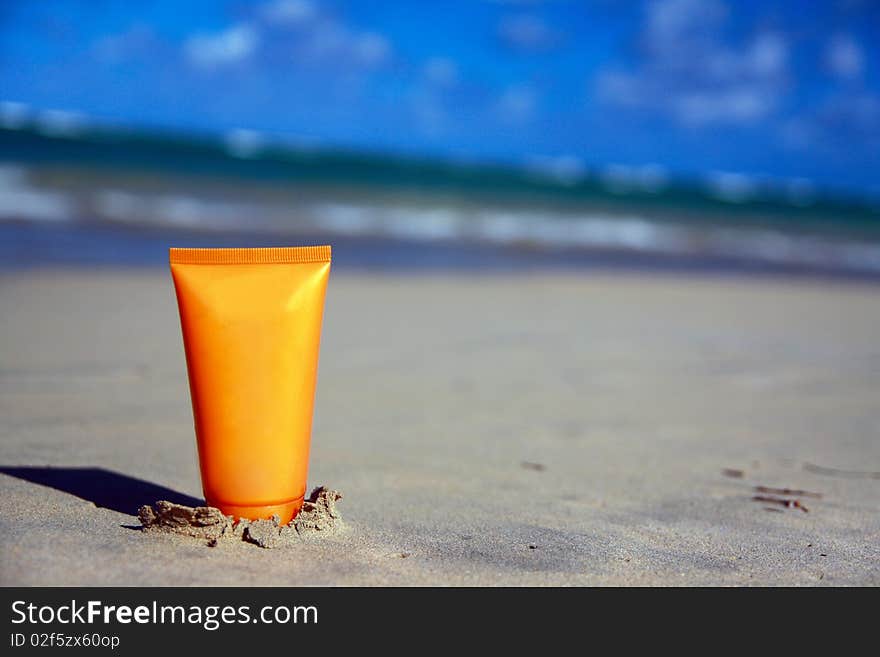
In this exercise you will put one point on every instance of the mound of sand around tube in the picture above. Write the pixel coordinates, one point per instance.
(318, 514)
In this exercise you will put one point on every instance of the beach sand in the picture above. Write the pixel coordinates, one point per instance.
(543, 429)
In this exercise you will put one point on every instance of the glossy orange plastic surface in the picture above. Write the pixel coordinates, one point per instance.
(251, 321)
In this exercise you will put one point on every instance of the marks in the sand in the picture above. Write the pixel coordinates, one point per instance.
(775, 499)
(530, 465)
(400, 555)
(837, 472)
(787, 491)
(783, 502)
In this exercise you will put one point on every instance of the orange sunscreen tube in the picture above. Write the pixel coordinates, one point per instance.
(251, 321)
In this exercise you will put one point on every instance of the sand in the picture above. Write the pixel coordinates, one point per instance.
(543, 429)
(210, 525)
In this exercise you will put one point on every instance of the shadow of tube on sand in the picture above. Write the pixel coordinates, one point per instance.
(105, 488)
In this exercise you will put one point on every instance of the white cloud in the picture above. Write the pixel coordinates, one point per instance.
(326, 40)
(848, 119)
(670, 22)
(844, 57)
(736, 105)
(315, 37)
(371, 49)
(768, 55)
(229, 46)
(441, 71)
(137, 40)
(527, 32)
(698, 106)
(430, 114)
(289, 12)
(691, 71)
(298, 33)
(517, 104)
(430, 98)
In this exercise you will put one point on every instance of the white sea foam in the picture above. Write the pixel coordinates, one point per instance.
(427, 224)
(732, 187)
(117, 204)
(621, 179)
(12, 176)
(345, 219)
(562, 169)
(13, 116)
(180, 210)
(244, 143)
(594, 231)
(548, 230)
(60, 123)
(20, 200)
(800, 191)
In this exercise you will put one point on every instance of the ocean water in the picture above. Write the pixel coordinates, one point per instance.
(117, 197)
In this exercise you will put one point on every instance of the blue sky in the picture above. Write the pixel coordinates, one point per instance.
(787, 90)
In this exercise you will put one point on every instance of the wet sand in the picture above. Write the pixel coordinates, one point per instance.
(492, 430)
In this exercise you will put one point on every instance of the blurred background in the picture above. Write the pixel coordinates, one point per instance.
(592, 421)
(695, 134)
